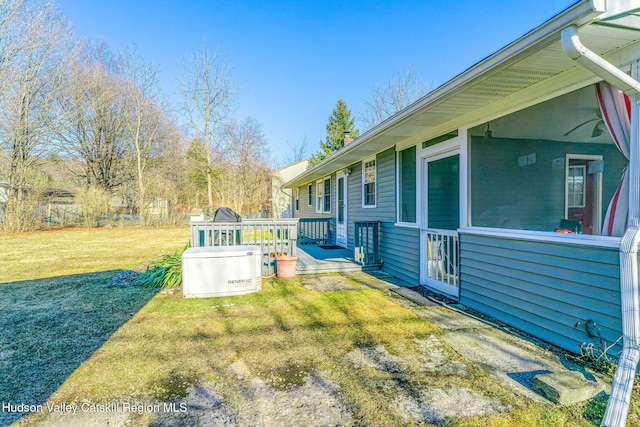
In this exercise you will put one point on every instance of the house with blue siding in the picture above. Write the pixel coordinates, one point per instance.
(514, 187)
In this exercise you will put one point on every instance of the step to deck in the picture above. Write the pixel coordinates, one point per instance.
(328, 268)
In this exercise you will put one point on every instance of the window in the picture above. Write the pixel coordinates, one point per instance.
(327, 195)
(297, 199)
(323, 195)
(319, 188)
(407, 185)
(369, 182)
(575, 186)
(310, 195)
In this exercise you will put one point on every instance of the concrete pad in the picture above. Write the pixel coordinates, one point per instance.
(368, 280)
(390, 279)
(414, 297)
(451, 320)
(566, 388)
(511, 360)
(327, 284)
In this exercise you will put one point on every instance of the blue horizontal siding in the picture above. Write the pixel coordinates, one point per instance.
(400, 251)
(399, 246)
(549, 290)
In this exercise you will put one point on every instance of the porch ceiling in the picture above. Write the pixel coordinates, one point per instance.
(532, 69)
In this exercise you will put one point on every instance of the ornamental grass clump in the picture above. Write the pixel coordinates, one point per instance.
(164, 272)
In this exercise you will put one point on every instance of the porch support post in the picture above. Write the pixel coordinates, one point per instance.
(634, 154)
(618, 404)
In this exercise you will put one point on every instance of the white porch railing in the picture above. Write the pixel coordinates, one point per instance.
(274, 236)
(440, 249)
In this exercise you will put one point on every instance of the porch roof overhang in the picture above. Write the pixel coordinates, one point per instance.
(530, 70)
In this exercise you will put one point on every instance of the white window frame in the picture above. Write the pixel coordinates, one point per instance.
(324, 195)
(319, 195)
(320, 185)
(375, 192)
(296, 202)
(583, 168)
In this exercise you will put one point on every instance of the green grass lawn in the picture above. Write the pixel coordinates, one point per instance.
(67, 337)
(45, 254)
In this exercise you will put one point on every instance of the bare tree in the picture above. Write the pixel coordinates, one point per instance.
(208, 93)
(299, 151)
(15, 16)
(145, 115)
(403, 88)
(167, 168)
(242, 179)
(95, 106)
(38, 43)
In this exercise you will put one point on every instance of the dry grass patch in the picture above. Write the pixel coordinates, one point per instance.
(384, 361)
(54, 253)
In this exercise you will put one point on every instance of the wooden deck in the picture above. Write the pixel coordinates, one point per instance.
(315, 259)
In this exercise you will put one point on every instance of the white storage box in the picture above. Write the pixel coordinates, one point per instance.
(221, 271)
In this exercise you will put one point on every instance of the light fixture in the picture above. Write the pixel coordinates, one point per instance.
(347, 171)
(487, 133)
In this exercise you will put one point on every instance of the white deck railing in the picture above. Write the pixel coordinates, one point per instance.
(274, 236)
(442, 260)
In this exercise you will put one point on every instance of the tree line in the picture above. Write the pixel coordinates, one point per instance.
(85, 130)
(81, 116)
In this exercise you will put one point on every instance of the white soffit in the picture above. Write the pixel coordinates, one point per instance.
(527, 71)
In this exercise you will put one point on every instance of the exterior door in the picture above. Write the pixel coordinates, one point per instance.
(441, 219)
(583, 193)
(341, 209)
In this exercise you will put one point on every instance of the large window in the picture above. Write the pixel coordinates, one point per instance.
(538, 168)
(407, 185)
(369, 182)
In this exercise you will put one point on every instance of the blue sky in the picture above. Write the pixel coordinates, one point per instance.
(295, 59)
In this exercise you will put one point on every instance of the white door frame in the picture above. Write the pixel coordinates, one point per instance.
(455, 146)
(341, 230)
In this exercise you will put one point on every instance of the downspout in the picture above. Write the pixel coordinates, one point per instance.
(618, 405)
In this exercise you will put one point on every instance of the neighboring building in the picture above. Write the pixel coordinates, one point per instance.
(470, 183)
(284, 200)
(4, 191)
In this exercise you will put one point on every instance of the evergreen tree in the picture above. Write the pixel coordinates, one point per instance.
(340, 122)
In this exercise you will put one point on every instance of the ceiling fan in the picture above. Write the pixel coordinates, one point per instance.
(598, 127)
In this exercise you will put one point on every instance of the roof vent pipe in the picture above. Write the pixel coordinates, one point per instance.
(618, 405)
